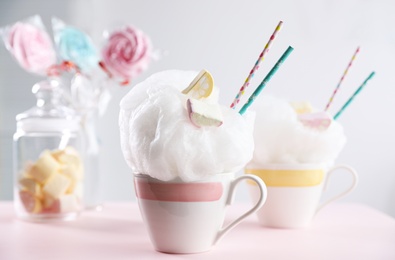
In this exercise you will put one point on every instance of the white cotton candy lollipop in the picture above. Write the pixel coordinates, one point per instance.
(282, 138)
(158, 138)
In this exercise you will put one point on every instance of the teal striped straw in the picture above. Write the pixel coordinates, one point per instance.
(353, 96)
(266, 80)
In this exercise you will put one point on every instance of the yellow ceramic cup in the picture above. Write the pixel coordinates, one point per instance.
(294, 192)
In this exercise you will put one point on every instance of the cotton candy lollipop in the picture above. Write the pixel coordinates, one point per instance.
(30, 45)
(75, 46)
(126, 53)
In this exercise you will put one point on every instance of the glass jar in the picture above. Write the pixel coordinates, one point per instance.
(48, 163)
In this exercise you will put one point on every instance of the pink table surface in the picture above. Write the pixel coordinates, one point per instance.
(339, 231)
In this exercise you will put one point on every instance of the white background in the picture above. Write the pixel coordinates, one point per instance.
(225, 37)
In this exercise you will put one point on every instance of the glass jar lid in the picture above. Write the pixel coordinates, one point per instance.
(50, 114)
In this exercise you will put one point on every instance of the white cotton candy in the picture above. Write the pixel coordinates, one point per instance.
(158, 138)
(280, 138)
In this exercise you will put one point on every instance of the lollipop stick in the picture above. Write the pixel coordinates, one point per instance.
(353, 96)
(266, 80)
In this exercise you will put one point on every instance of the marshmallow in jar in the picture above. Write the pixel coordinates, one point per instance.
(48, 168)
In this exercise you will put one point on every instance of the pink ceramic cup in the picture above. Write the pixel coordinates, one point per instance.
(187, 217)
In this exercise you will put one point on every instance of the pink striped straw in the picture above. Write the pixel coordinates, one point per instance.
(256, 66)
(341, 79)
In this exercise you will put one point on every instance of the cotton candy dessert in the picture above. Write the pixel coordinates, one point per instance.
(293, 132)
(172, 127)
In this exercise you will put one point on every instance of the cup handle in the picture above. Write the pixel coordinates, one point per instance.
(230, 199)
(344, 193)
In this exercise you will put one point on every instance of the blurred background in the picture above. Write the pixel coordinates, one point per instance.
(226, 37)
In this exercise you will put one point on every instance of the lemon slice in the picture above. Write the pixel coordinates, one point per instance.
(303, 107)
(201, 86)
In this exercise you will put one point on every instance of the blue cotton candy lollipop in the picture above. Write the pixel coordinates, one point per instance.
(77, 47)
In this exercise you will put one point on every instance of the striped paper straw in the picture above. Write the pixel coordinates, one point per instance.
(341, 79)
(256, 66)
(353, 96)
(266, 80)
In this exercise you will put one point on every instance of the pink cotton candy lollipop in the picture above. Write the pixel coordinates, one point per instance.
(31, 46)
(127, 53)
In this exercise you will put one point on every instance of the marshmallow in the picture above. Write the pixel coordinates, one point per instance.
(70, 161)
(57, 185)
(73, 171)
(78, 190)
(74, 185)
(64, 204)
(51, 206)
(44, 168)
(56, 154)
(319, 120)
(71, 187)
(74, 174)
(69, 203)
(30, 202)
(203, 114)
(31, 186)
(48, 201)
